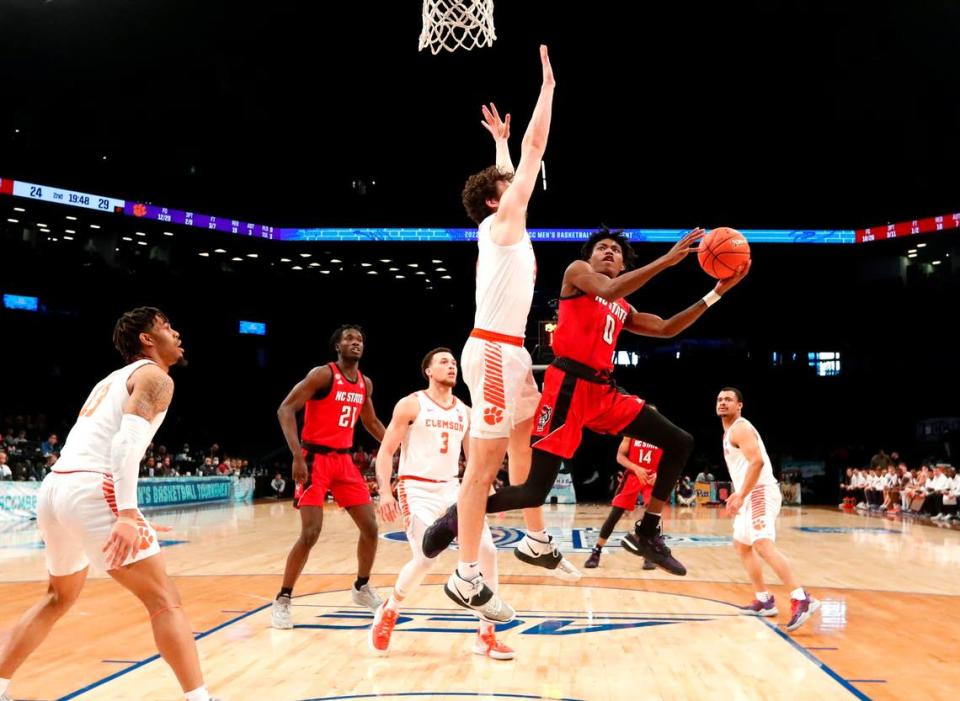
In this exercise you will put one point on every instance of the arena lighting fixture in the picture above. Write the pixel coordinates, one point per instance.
(296, 267)
(306, 255)
(399, 277)
(366, 265)
(140, 233)
(911, 255)
(285, 260)
(386, 260)
(219, 250)
(420, 272)
(42, 226)
(19, 209)
(68, 238)
(413, 265)
(252, 255)
(141, 243)
(70, 231)
(393, 270)
(335, 260)
(71, 218)
(168, 233)
(13, 221)
(921, 245)
(436, 261)
(314, 265)
(441, 270)
(94, 226)
(446, 277)
(372, 272)
(127, 238)
(237, 258)
(937, 262)
(204, 254)
(325, 272)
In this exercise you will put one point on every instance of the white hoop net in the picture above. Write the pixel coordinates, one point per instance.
(457, 24)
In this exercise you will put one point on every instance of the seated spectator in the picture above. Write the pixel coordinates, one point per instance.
(936, 489)
(149, 468)
(5, 472)
(206, 468)
(224, 468)
(278, 485)
(51, 446)
(891, 489)
(950, 496)
(686, 494)
(705, 476)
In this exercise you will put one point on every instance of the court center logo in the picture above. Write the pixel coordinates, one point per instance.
(582, 540)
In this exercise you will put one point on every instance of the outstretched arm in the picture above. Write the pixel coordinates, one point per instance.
(500, 131)
(644, 324)
(581, 276)
(511, 214)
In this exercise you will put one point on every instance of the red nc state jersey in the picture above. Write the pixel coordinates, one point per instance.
(644, 454)
(587, 330)
(329, 419)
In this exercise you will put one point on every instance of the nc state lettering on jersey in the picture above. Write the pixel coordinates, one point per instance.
(614, 308)
(349, 397)
(440, 423)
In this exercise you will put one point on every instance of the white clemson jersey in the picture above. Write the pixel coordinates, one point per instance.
(505, 281)
(431, 448)
(737, 462)
(90, 440)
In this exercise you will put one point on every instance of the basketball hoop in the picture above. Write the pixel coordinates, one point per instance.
(457, 24)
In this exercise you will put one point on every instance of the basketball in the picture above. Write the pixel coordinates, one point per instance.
(722, 251)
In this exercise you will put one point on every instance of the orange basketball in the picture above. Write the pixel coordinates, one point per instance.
(722, 251)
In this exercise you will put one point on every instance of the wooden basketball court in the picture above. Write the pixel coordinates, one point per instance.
(886, 630)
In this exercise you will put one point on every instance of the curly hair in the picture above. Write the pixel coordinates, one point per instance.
(126, 332)
(481, 187)
(629, 255)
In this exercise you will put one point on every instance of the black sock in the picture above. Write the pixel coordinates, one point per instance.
(598, 549)
(285, 591)
(360, 582)
(649, 525)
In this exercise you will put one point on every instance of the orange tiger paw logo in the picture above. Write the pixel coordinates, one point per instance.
(146, 538)
(493, 415)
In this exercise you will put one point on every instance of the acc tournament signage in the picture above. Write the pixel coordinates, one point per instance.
(18, 500)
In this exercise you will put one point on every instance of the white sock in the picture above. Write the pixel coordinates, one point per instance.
(539, 535)
(4, 683)
(468, 570)
(198, 694)
(392, 603)
(486, 627)
(763, 596)
(799, 594)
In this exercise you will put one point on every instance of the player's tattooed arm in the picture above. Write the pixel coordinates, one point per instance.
(151, 393)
